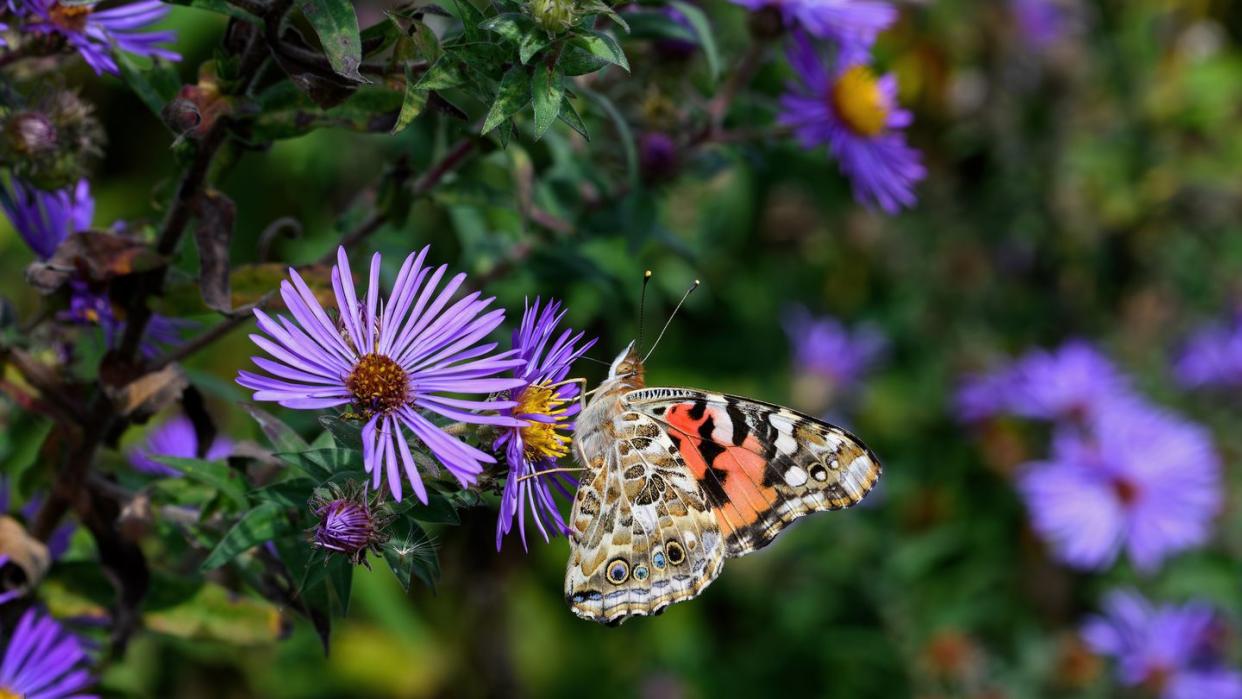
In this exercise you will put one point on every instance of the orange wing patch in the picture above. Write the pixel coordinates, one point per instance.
(726, 460)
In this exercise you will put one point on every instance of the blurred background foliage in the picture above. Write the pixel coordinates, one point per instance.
(1083, 188)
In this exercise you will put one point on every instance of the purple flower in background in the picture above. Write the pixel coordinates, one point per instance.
(389, 361)
(855, 21)
(984, 395)
(88, 306)
(43, 661)
(1212, 357)
(846, 107)
(175, 437)
(1040, 22)
(824, 346)
(13, 594)
(545, 411)
(1137, 479)
(1171, 650)
(95, 34)
(44, 219)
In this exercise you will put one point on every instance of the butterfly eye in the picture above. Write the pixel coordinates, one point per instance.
(676, 554)
(640, 573)
(658, 559)
(618, 571)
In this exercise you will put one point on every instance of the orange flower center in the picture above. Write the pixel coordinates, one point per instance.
(6, 693)
(857, 101)
(72, 18)
(378, 384)
(541, 439)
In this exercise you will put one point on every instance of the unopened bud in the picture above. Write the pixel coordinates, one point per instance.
(554, 16)
(182, 116)
(31, 133)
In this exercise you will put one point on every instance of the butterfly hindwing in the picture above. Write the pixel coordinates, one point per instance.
(644, 536)
(758, 465)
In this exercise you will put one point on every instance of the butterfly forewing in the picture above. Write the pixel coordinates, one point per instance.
(759, 466)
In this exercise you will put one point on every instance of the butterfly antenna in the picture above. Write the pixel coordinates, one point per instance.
(642, 305)
(669, 322)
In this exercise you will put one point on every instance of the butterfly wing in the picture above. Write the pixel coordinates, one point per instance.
(644, 535)
(759, 466)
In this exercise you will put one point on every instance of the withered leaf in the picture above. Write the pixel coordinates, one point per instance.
(216, 214)
(98, 256)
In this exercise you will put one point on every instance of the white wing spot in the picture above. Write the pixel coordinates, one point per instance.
(795, 476)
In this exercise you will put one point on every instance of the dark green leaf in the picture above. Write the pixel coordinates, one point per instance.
(220, 7)
(281, 436)
(530, 44)
(323, 464)
(155, 86)
(438, 510)
(413, 555)
(336, 24)
(576, 60)
(471, 17)
(703, 34)
(570, 116)
(511, 26)
(443, 74)
(547, 91)
(216, 474)
(603, 46)
(512, 96)
(264, 523)
(340, 580)
(414, 103)
(346, 433)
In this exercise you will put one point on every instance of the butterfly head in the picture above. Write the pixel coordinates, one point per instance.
(628, 366)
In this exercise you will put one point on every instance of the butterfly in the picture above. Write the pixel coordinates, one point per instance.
(676, 480)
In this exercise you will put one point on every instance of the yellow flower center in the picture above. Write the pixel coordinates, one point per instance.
(6, 693)
(378, 384)
(541, 439)
(857, 101)
(73, 18)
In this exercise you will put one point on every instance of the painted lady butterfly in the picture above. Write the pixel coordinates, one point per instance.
(676, 480)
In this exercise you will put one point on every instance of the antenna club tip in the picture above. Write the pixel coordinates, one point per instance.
(697, 282)
(647, 274)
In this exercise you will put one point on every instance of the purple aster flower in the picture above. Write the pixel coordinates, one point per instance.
(175, 437)
(1212, 357)
(824, 347)
(839, 20)
(545, 404)
(984, 395)
(1170, 650)
(1040, 22)
(349, 524)
(95, 34)
(390, 362)
(846, 107)
(43, 219)
(1136, 479)
(43, 661)
(88, 306)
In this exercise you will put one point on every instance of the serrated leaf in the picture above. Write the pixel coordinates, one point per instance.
(704, 36)
(511, 97)
(443, 74)
(258, 526)
(570, 116)
(336, 24)
(547, 91)
(215, 474)
(604, 46)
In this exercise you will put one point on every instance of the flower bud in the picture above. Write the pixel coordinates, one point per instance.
(30, 133)
(554, 16)
(349, 524)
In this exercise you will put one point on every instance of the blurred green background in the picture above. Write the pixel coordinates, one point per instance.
(1085, 188)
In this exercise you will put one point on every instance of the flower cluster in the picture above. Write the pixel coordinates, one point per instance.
(838, 102)
(1122, 475)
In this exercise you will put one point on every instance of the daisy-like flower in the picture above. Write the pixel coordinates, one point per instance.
(1212, 357)
(44, 219)
(545, 405)
(847, 108)
(829, 358)
(1170, 650)
(390, 362)
(43, 661)
(96, 33)
(1137, 479)
(839, 20)
(175, 437)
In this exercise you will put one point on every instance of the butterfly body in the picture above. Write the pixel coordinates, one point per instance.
(679, 479)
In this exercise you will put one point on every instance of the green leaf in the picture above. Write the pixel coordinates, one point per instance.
(512, 96)
(652, 24)
(413, 104)
(623, 131)
(215, 474)
(511, 26)
(281, 436)
(347, 434)
(294, 493)
(444, 73)
(340, 580)
(413, 555)
(264, 523)
(220, 7)
(155, 86)
(532, 43)
(547, 91)
(323, 464)
(703, 34)
(471, 18)
(570, 116)
(604, 46)
(576, 60)
(438, 510)
(336, 24)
